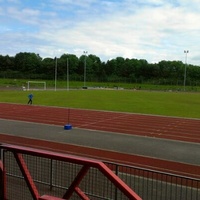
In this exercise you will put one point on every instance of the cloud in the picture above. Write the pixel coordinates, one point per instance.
(154, 30)
(24, 16)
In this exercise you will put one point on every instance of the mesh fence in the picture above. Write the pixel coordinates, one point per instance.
(54, 177)
(155, 185)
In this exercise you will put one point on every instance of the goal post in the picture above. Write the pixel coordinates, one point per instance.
(36, 85)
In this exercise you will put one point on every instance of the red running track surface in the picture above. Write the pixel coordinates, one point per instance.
(143, 125)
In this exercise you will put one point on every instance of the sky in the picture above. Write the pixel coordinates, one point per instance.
(153, 30)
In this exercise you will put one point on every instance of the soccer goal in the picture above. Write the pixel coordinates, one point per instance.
(36, 85)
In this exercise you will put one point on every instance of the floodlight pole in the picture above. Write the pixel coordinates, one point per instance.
(67, 74)
(85, 52)
(185, 72)
(55, 72)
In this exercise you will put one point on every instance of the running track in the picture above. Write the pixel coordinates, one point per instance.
(144, 125)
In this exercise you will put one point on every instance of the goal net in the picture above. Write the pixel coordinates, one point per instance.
(36, 85)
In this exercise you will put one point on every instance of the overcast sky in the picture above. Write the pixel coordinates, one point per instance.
(154, 30)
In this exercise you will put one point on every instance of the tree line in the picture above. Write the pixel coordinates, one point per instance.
(28, 65)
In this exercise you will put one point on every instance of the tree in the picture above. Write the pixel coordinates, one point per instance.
(28, 62)
(48, 68)
(31, 65)
(73, 63)
(6, 63)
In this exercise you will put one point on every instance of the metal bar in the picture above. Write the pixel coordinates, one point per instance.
(27, 176)
(116, 172)
(47, 197)
(2, 181)
(76, 182)
(118, 183)
(81, 194)
(51, 174)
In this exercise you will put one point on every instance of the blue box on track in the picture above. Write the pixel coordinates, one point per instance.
(68, 127)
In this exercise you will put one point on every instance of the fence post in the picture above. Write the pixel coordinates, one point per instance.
(2, 178)
(117, 173)
(51, 175)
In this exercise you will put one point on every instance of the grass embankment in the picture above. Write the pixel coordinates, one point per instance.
(18, 83)
(179, 104)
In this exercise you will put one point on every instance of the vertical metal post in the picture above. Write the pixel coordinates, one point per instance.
(55, 72)
(85, 52)
(116, 172)
(2, 176)
(51, 174)
(185, 72)
(67, 74)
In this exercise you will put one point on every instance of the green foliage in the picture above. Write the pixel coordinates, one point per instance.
(32, 66)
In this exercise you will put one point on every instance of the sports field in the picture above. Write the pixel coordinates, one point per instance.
(165, 115)
(179, 104)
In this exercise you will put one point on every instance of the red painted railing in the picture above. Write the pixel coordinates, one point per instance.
(2, 181)
(86, 165)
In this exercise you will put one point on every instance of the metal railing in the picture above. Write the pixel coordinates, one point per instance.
(53, 176)
(157, 185)
(38, 174)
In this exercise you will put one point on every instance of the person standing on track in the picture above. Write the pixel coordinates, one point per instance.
(30, 97)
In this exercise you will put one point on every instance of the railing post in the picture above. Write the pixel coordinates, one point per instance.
(1, 180)
(116, 172)
(3, 193)
(51, 174)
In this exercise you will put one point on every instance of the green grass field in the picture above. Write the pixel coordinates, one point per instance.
(181, 104)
